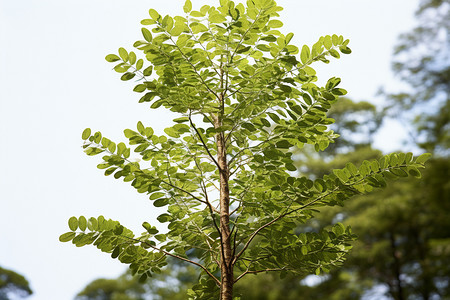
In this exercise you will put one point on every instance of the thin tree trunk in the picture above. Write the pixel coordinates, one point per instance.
(422, 252)
(396, 269)
(226, 257)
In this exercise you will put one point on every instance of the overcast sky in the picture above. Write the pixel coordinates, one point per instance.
(54, 82)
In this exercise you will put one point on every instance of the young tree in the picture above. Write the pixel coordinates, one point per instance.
(245, 97)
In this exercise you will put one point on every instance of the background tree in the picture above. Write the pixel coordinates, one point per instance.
(224, 170)
(171, 284)
(404, 232)
(421, 60)
(13, 285)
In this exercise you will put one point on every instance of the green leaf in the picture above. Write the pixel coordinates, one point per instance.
(304, 250)
(334, 53)
(345, 49)
(399, 172)
(243, 49)
(327, 42)
(150, 229)
(67, 237)
(423, 158)
(147, 226)
(140, 127)
(339, 92)
(147, 34)
(157, 195)
(132, 58)
(216, 18)
(73, 223)
(143, 278)
(289, 37)
(335, 39)
(153, 14)
(163, 218)
(284, 144)
(341, 175)
(92, 224)
(408, 157)
(290, 167)
(307, 98)
(413, 171)
(118, 230)
(139, 64)
(116, 252)
(248, 126)
(160, 237)
(140, 88)
(127, 76)
(148, 71)
(275, 24)
(178, 29)
(187, 6)
(112, 58)
(148, 22)
(82, 223)
(305, 54)
(123, 54)
(181, 120)
(161, 202)
(171, 132)
(86, 134)
(129, 133)
(351, 168)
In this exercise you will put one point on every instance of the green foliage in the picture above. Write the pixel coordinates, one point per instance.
(13, 285)
(403, 234)
(224, 170)
(123, 288)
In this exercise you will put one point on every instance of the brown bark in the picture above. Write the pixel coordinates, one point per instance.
(226, 266)
(226, 255)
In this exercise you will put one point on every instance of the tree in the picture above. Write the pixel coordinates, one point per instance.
(421, 61)
(12, 283)
(245, 97)
(123, 288)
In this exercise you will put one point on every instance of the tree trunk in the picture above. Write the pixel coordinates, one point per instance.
(226, 257)
(398, 294)
(427, 283)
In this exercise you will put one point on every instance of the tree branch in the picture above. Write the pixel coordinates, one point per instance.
(176, 256)
(203, 142)
(253, 235)
(258, 271)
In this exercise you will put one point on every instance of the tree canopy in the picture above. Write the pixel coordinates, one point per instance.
(13, 285)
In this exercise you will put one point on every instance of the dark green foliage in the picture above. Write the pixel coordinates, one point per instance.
(13, 285)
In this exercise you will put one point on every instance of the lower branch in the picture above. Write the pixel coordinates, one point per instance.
(178, 257)
(255, 233)
(258, 271)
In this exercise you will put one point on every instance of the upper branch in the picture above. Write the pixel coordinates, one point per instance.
(203, 142)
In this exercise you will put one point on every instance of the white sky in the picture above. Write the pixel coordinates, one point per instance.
(54, 82)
